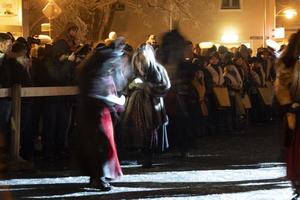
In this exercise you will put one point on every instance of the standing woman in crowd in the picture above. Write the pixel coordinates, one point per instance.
(214, 79)
(233, 81)
(259, 112)
(145, 119)
(287, 88)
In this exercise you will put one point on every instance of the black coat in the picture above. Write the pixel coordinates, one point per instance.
(5, 73)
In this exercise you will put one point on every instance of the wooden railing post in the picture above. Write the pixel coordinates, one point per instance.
(15, 122)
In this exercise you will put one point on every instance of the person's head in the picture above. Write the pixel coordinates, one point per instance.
(12, 37)
(24, 42)
(214, 58)
(264, 54)
(212, 49)
(5, 43)
(188, 49)
(222, 50)
(197, 49)
(255, 63)
(234, 50)
(19, 49)
(243, 49)
(292, 51)
(228, 58)
(143, 59)
(72, 29)
(238, 59)
(73, 32)
(128, 50)
(152, 40)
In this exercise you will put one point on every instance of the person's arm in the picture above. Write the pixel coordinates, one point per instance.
(160, 88)
(282, 86)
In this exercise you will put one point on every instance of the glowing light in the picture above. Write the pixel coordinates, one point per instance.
(206, 45)
(45, 27)
(290, 13)
(230, 38)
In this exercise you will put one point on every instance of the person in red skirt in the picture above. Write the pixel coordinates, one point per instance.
(96, 151)
(287, 89)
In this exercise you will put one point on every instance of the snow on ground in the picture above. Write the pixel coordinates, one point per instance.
(229, 175)
(265, 175)
(91, 192)
(208, 176)
(276, 194)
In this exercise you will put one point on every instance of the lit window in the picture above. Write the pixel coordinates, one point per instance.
(231, 4)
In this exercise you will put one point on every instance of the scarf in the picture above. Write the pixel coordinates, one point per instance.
(234, 76)
(217, 76)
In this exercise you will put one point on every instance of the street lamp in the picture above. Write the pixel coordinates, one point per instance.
(288, 13)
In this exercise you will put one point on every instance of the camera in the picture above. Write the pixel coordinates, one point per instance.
(31, 40)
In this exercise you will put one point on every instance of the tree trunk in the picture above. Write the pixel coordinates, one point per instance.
(95, 27)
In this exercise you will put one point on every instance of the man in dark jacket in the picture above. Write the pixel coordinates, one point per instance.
(5, 82)
(59, 65)
(20, 65)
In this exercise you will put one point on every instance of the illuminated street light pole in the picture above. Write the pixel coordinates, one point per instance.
(171, 15)
(265, 23)
(25, 18)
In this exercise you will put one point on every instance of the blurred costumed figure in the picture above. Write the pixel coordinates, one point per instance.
(98, 104)
(287, 88)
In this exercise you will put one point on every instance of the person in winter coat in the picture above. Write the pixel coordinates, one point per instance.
(145, 119)
(288, 94)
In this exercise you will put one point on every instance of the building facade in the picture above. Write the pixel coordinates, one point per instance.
(227, 22)
(290, 25)
(14, 17)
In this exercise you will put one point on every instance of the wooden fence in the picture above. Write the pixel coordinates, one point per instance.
(16, 93)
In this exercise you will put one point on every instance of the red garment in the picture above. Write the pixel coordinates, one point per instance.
(111, 167)
(293, 158)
